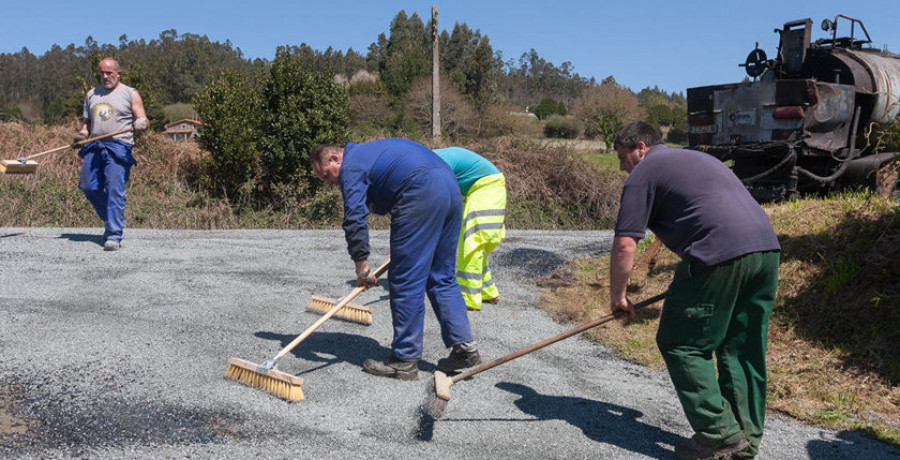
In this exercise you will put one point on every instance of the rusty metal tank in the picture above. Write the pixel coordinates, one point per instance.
(800, 125)
(872, 72)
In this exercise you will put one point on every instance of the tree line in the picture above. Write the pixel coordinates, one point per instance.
(174, 67)
(262, 116)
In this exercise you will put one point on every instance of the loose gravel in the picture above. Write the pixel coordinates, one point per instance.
(122, 354)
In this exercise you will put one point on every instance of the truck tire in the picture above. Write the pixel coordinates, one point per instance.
(888, 180)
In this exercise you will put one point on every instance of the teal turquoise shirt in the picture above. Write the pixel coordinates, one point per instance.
(467, 166)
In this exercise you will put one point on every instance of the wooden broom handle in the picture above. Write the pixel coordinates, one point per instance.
(82, 142)
(355, 292)
(555, 339)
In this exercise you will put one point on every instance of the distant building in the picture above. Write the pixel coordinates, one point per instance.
(182, 130)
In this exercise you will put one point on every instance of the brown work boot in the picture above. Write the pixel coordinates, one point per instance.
(394, 367)
(695, 450)
(747, 454)
(494, 301)
(459, 359)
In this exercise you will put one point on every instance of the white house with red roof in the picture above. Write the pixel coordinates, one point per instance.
(182, 130)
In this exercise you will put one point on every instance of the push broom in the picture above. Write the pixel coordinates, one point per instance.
(434, 406)
(26, 165)
(282, 384)
(351, 312)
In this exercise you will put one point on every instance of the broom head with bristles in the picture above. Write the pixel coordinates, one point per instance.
(281, 384)
(442, 384)
(18, 167)
(352, 312)
(436, 398)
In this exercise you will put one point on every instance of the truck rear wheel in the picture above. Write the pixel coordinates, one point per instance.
(888, 179)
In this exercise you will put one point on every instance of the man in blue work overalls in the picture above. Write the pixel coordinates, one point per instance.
(419, 190)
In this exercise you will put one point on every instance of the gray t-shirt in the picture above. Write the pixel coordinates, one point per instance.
(695, 205)
(109, 111)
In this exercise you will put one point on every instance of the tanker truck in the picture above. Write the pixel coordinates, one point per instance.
(809, 120)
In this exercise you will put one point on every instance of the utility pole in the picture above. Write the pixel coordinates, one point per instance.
(435, 78)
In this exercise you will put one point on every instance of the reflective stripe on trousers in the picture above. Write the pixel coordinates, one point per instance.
(484, 209)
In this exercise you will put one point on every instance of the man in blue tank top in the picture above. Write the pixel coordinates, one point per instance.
(418, 189)
(717, 308)
(109, 108)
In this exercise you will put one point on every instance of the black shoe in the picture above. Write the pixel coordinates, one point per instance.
(459, 359)
(394, 367)
(695, 450)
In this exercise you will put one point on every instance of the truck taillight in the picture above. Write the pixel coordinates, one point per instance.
(782, 134)
(789, 112)
(699, 119)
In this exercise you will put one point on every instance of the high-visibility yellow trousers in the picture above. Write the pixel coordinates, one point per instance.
(484, 209)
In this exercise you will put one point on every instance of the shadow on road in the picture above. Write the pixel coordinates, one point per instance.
(329, 348)
(599, 421)
(383, 283)
(534, 262)
(850, 444)
(81, 237)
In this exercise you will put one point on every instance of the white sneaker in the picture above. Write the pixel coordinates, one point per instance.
(111, 245)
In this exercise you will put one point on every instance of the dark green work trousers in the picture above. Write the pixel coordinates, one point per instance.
(720, 311)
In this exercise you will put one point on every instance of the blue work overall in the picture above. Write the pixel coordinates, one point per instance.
(425, 224)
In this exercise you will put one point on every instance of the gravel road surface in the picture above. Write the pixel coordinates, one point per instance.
(122, 355)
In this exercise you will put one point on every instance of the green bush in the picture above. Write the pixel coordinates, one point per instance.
(888, 136)
(229, 107)
(300, 109)
(563, 127)
(548, 107)
(677, 135)
(55, 111)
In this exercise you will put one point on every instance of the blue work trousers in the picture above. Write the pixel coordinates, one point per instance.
(425, 224)
(104, 172)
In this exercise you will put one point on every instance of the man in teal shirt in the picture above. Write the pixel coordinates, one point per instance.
(483, 188)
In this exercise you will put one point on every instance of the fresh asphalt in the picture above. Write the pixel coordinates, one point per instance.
(122, 355)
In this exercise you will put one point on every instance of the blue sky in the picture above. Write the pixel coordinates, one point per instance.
(670, 44)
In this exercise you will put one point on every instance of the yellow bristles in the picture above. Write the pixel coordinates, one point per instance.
(280, 384)
(17, 167)
(352, 312)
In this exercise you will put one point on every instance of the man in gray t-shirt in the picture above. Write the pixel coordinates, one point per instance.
(717, 308)
(109, 108)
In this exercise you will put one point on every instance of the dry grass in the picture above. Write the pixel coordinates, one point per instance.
(169, 188)
(157, 190)
(834, 350)
(550, 187)
(579, 145)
